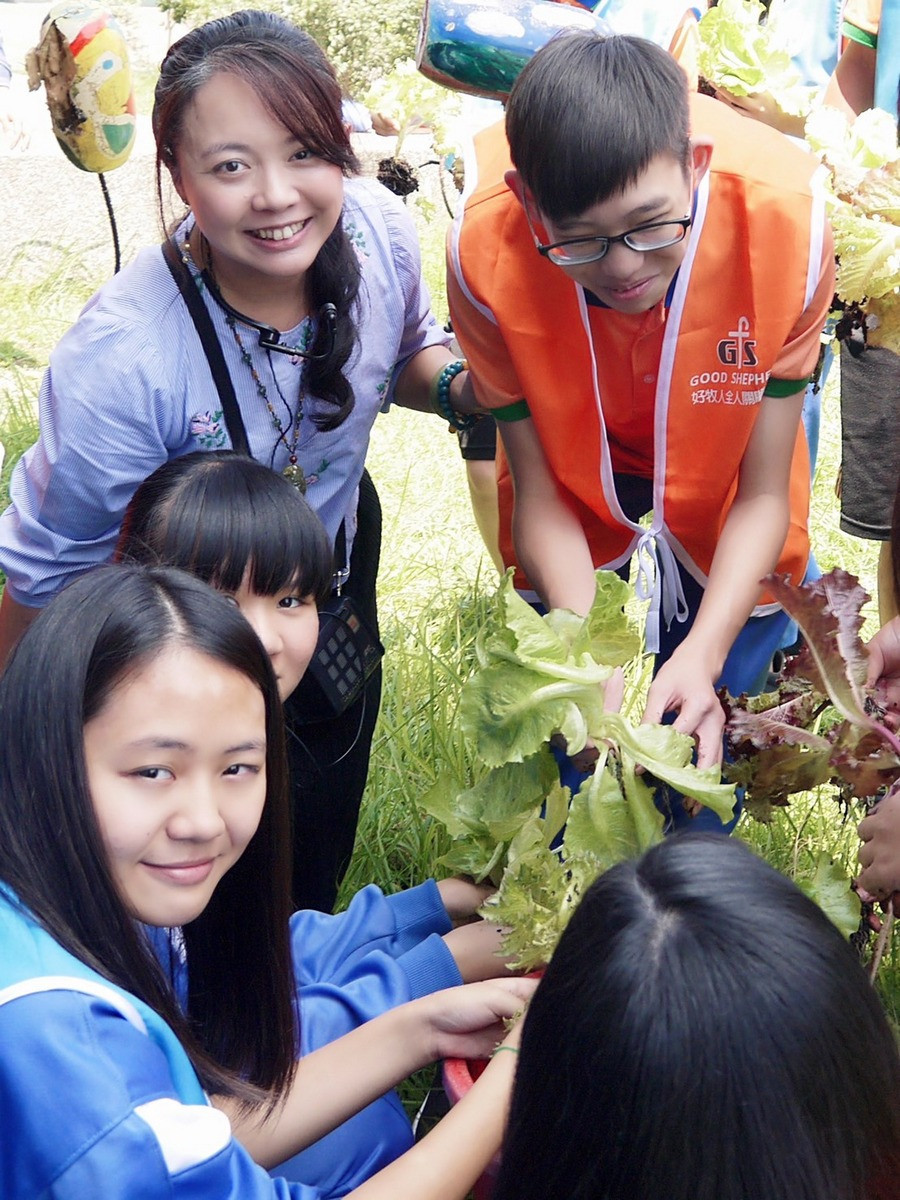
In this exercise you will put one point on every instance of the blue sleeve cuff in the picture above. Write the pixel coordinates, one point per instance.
(429, 967)
(419, 911)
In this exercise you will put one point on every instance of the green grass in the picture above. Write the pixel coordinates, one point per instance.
(41, 293)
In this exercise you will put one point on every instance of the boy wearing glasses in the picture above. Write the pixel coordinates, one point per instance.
(640, 299)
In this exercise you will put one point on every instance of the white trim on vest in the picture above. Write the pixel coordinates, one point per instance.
(817, 219)
(656, 576)
(455, 261)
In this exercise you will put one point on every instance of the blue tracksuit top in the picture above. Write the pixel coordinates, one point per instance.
(98, 1098)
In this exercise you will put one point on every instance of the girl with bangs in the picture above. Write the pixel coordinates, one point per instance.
(246, 531)
(284, 312)
(249, 534)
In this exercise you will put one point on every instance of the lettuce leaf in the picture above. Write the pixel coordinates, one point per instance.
(666, 754)
(863, 164)
(540, 675)
(851, 150)
(485, 818)
(601, 823)
(828, 887)
(743, 57)
(868, 251)
(536, 676)
(821, 726)
(534, 902)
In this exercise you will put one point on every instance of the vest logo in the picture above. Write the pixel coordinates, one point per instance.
(738, 349)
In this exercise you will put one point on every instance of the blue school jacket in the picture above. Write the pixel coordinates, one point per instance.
(99, 1099)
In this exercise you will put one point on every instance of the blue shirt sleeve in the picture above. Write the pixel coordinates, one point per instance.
(107, 419)
(380, 952)
(420, 328)
(349, 968)
(383, 951)
(88, 1108)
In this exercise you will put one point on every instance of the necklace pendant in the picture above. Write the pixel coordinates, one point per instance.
(293, 473)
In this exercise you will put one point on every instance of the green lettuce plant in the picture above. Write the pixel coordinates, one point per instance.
(743, 56)
(538, 676)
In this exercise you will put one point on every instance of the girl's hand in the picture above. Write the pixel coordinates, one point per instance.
(476, 950)
(883, 673)
(879, 854)
(462, 897)
(468, 1022)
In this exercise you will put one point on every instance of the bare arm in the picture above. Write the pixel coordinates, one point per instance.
(446, 1163)
(14, 620)
(476, 949)
(751, 540)
(338, 1080)
(852, 86)
(762, 106)
(413, 386)
(550, 543)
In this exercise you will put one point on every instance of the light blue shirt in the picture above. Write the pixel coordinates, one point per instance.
(129, 387)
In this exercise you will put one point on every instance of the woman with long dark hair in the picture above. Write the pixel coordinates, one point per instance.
(145, 956)
(285, 311)
(703, 1032)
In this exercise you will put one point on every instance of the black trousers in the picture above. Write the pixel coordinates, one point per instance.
(329, 760)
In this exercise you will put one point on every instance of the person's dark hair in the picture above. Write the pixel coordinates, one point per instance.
(296, 83)
(220, 515)
(589, 113)
(703, 1032)
(240, 1024)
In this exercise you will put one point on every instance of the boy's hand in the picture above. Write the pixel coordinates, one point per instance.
(879, 855)
(685, 686)
(462, 897)
(762, 106)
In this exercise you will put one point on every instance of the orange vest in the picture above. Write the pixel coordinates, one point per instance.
(751, 269)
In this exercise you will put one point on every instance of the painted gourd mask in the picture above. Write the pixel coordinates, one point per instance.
(82, 60)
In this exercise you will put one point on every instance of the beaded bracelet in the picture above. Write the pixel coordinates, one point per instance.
(440, 395)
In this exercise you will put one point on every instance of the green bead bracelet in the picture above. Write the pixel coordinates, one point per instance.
(440, 396)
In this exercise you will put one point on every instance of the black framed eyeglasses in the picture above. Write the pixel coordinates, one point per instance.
(269, 337)
(576, 252)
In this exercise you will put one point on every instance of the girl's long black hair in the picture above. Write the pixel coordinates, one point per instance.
(240, 1025)
(296, 83)
(703, 1032)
